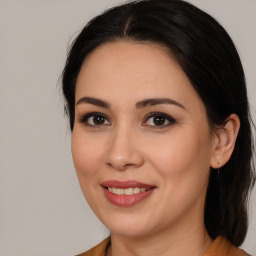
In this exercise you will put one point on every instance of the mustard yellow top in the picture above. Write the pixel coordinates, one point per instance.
(220, 247)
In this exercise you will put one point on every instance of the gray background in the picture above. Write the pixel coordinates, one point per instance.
(42, 210)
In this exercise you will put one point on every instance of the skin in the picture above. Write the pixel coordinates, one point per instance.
(175, 156)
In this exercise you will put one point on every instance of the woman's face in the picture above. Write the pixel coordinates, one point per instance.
(141, 143)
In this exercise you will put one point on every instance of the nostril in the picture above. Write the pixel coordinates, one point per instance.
(128, 165)
(120, 166)
(121, 160)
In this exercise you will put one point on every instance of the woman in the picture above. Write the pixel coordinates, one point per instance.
(161, 137)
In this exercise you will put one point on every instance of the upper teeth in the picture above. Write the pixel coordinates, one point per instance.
(126, 191)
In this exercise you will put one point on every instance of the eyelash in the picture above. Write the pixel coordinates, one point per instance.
(166, 117)
(84, 119)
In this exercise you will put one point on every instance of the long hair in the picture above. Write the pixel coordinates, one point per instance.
(207, 55)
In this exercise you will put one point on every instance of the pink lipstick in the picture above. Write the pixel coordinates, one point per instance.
(126, 193)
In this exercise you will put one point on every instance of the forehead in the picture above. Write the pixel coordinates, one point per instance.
(121, 70)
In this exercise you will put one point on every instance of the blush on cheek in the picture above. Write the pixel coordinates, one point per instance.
(80, 156)
(178, 162)
(85, 162)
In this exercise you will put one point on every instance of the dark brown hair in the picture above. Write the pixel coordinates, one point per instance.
(207, 55)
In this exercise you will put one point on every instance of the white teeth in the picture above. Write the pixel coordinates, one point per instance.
(118, 191)
(126, 191)
(136, 190)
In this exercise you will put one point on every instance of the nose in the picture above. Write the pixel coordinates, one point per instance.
(123, 150)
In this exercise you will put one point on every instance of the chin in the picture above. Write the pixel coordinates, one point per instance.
(129, 226)
(129, 231)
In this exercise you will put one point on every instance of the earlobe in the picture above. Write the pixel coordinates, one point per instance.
(224, 142)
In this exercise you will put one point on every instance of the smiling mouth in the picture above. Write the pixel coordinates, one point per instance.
(126, 193)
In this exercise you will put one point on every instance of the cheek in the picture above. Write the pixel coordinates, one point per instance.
(87, 155)
(183, 164)
(182, 155)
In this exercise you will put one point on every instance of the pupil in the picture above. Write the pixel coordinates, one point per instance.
(98, 120)
(159, 120)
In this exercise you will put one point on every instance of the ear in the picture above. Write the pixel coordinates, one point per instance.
(224, 141)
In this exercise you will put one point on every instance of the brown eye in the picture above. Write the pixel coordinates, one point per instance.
(158, 120)
(94, 119)
(98, 120)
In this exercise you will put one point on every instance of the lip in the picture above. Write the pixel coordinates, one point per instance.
(126, 184)
(126, 200)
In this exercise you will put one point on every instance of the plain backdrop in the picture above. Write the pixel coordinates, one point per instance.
(42, 210)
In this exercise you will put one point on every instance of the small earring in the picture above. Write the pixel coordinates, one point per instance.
(218, 171)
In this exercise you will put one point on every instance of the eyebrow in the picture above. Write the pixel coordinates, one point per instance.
(138, 105)
(157, 101)
(93, 101)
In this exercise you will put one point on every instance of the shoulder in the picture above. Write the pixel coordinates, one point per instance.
(98, 250)
(221, 246)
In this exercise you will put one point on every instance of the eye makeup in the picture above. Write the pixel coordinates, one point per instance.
(97, 118)
(156, 120)
(159, 120)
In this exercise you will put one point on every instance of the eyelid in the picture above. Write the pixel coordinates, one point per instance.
(154, 114)
(85, 117)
